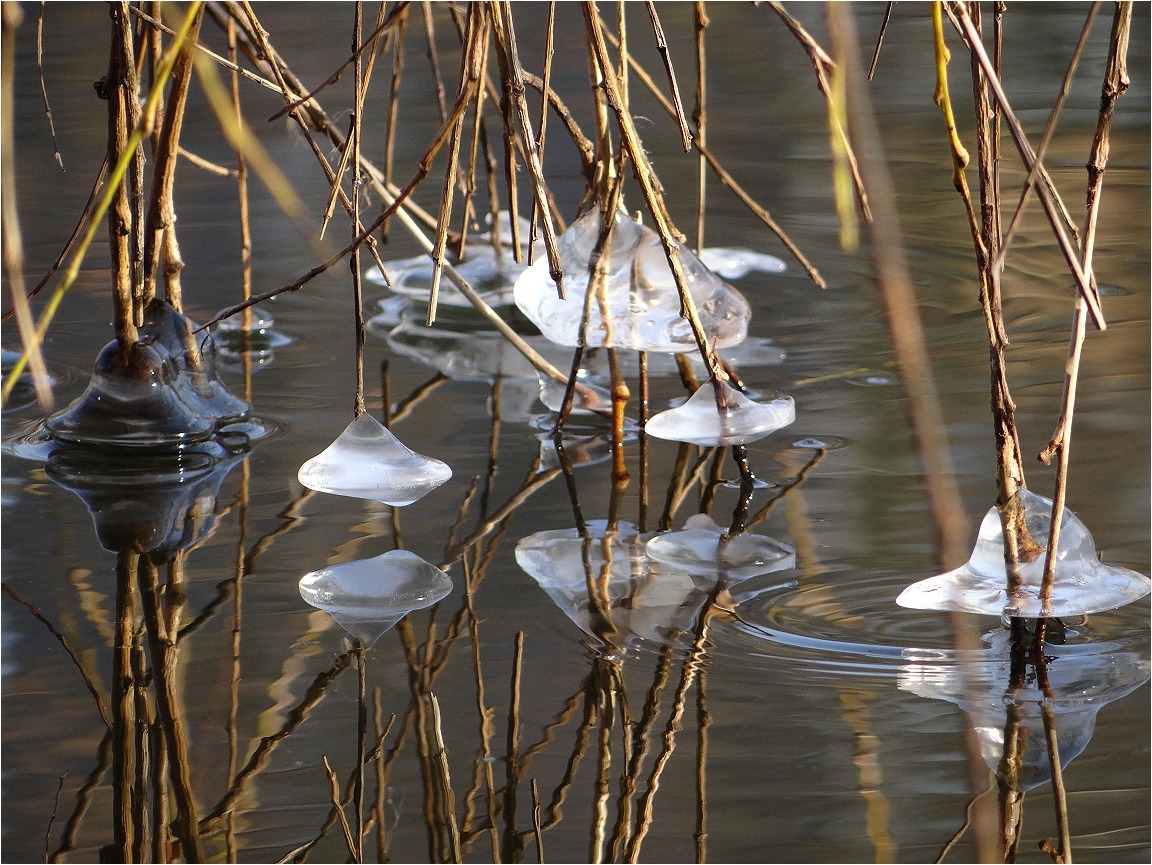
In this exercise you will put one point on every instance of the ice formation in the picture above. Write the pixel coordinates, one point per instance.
(368, 462)
(700, 421)
(702, 549)
(640, 296)
(1082, 584)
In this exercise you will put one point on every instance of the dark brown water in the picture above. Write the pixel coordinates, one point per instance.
(801, 729)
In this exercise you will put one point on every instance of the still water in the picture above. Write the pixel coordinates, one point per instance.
(805, 719)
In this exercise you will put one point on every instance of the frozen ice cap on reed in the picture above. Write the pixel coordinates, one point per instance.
(1082, 584)
(367, 461)
(640, 307)
(700, 421)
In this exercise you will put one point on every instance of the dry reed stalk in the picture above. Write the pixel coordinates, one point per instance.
(826, 73)
(700, 115)
(673, 87)
(1046, 138)
(361, 76)
(334, 796)
(506, 43)
(1115, 84)
(471, 71)
(160, 224)
(40, 75)
(1049, 197)
(880, 37)
(479, 136)
(649, 185)
(985, 237)
(245, 229)
(393, 105)
(1018, 543)
(13, 247)
(121, 90)
(541, 136)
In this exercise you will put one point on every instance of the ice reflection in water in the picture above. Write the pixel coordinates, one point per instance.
(1083, 584)
(259, 341)
(489, 271)
(609, 583)
(1081, 680)
(703, 549)
(368, 597)
(368, 462)
(146, 504)
(640, 308)
(700, 421)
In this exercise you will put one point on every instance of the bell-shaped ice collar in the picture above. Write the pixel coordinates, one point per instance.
(640, 307)
(368, 462)
(700, 421)
(368, 597)
(1083, 584)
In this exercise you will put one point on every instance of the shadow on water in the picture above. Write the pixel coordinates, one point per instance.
(586, 645)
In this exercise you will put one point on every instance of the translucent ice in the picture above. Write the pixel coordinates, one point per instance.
(700, 422)
(368, 462)
(640, 296)
(489, 273)
(1083, 584)
(1081, 680)
(463, 355)
(368, 597)
(703, 550)
(605, 583)
(192, 357)
(733, 263)
(132, 400)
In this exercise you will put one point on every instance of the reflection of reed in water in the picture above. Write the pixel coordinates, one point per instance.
(1032, 715)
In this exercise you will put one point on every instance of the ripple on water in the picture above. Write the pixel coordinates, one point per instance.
(852, 628)
(821, 443)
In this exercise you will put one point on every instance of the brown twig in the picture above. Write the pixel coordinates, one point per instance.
(1115, 84)
(880, 37)
(43, 86)
(1049, 197)
(506, 44)
(159, 227)
(673, 87)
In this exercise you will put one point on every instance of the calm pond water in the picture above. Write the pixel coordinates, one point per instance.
(815, 721)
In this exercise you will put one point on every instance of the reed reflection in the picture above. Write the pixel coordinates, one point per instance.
(1032, 714)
